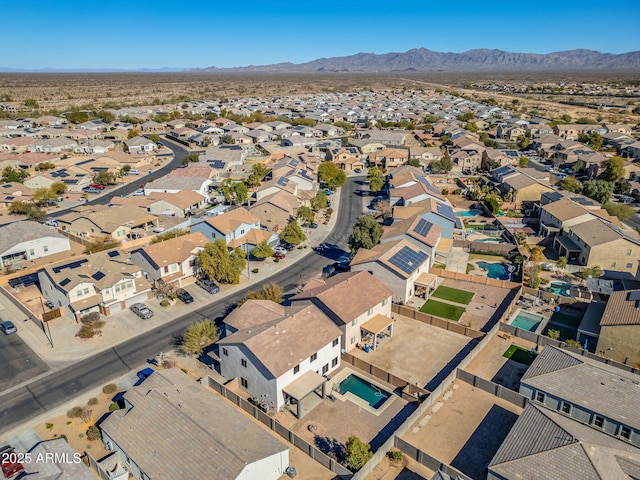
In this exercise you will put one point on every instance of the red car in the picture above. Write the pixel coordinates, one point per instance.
(95, 185)
(10, 464)
(279, 255)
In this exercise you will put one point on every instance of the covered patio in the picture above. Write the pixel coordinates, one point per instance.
(297, 391)
(425, 285)
(566, 247)
(376, 332)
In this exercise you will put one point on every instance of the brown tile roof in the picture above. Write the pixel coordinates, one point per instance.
(282, 199)
(565, 209)
(254, 312)
(175, 250)
(232, 219)
(252, 237)
(347, 295)
(413, 227)
(283, 343)
(178, 429)
(203, 171)
(623, 308)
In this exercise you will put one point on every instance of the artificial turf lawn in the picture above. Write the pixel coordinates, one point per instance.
(444, 310)
(519, 354)
(453, 295)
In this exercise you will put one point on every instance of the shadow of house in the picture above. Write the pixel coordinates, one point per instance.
(473, 458)
(451, 365)
(510, 374)
(390, 428)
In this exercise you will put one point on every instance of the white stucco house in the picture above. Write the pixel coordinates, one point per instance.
(20, 241)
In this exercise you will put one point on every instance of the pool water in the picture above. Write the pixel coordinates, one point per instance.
(526, 321)
(560, 288)
(469, 213)
(490, 240)
(365, 390)
(498, 271)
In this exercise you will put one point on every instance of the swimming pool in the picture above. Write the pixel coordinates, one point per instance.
(526, 320)
(491, 240)
(498, 271)
(472, 212)
(364, 389)
(560, 288)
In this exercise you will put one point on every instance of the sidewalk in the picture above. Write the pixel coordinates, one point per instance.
(68, 349)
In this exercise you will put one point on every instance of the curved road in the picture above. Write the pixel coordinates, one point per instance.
(39, 396)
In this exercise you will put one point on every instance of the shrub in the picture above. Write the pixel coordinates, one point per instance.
(357, 453)
(110, 388)
(75, 412)
(91, 317)
(90, 328)
(113, 407)
(395, 456)
(276, 260)
(92, 401)
(93, 433)
(457, 191)
(49, 426)
(255, 270)
(81, 435)
(329, 211)
(164, 303)
(445, 191)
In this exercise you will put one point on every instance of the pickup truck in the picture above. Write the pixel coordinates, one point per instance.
(9, 461)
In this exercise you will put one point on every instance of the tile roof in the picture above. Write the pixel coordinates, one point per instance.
(415, 227)
(284, 342)
(623, 308)
(232, 219)
(346, 295)
(173, 250)
(565, 209)
(178, 429)
(585, 382)
(254, 312)
(15, 233)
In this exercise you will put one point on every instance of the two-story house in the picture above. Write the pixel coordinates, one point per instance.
(105, 282)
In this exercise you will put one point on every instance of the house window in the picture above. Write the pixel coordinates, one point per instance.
(625, 432)
(385, 301)
(32, 252)
(335, 343)
(334, 362)
(613, 264)
(370, 311)
(353, 340)
(86, 291)
(225, 352)
(325, 369)
(540, 397)
(566, 408)
(354, 321)
(120, 233)
(314, 357)
(244, 382)
(117, 288)
(166, 269)
(242, 232)
(243, 362)
(629, 253)
(78, 293)
(629, 265)
(45, 248)
(296, 369)
(598, 421)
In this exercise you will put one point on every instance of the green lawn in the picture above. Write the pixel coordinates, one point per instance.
(519, 354)
(444, 310)
(453, 295)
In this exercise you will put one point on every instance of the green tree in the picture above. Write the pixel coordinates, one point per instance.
(219, 264)
(31, 103)
(357, 453)
(43, 195)
(553, 334)
(226, 139)
(161, 237)
(365, 234)
(561, 263)
(191, 158)
(414, 162)
(124, 170)
(330, 173)
(465, 117)
(622, 187)
(258, 172)
(44, 166)
(613, 169)
(570, 184)
(293, 234)
(524, 142)
(77, 117)
(58, 188)
(104, 178)
(262, 250)
(133, 133)
(100, 244)
(578, 166)
(234, 192)
(471, 127)
(198, 336)
(305, 214)
(10, 174)
(374, 177)
(154, 138)
(318, 202)
(573, 343)
(492, 203)
(444, 165)
(600, 190)
(623, 212)
(269, 291)
(523, 162)
(590, 272)
(105, 116)
(444, 139)
(30, 210)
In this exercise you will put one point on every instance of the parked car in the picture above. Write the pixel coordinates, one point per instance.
(279, 255)
(280, 249)
(91, 190)
(9, 462)
(341, 267)
(138, 193)
(8, 327)
(50, 305)
(208, 285)
(141, 310)
(51, 222)
(145, 373)
(96, 185)
(134, 171)
(313, 225)
(357, 170)
(184, 296)
(287, 246)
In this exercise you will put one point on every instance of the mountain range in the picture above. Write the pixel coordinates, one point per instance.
(424, 60)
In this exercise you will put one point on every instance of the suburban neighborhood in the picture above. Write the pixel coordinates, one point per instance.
(372, 284)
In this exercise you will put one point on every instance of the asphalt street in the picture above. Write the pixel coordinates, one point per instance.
(19, 406)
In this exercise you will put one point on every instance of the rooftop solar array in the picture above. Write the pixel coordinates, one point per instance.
(98, 276)
(423, 227)
(64, 282)
(407, 259)
(283, 181)
(113, 253)
(24, 280)
(69, 265)
(634, 296)
(84, 162)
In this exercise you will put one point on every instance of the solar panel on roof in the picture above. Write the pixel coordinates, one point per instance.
(113, 253)
(8, 185)
(64, 282)
(634, 295)
(9, 197)
(99, 169)
(283, 181)
(24, 280)
(69, 182)
(98, 276)
(407, 259)
(423, 227)
(84, 162)
(71, 265)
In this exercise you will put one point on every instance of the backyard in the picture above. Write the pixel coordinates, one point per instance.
(453, 295)
(567, 325)
(519, 354)
(443, 310)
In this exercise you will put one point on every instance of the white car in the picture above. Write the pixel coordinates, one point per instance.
(280, 249)
(138, 193)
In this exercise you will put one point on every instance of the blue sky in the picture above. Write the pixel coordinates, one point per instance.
(66, 34)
